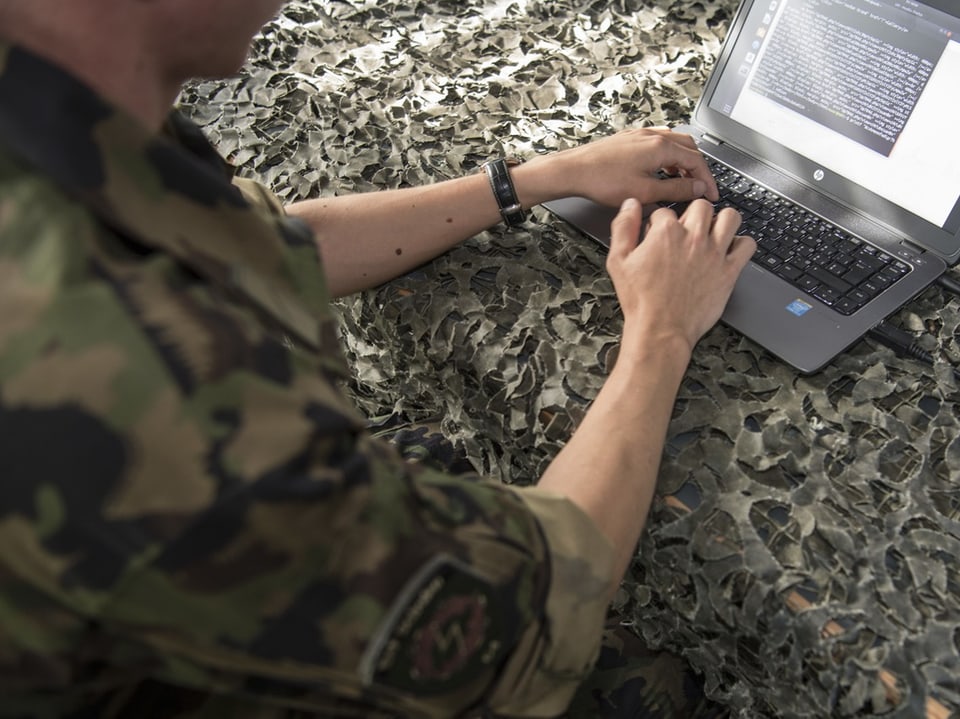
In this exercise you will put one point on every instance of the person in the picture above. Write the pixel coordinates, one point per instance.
(193, 519)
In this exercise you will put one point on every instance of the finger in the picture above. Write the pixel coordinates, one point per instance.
(727, 223)
(693, 164)
(662, 216)
(740, 251)
(690, 176)
(674, 189)
(625, 229)
(698, 217)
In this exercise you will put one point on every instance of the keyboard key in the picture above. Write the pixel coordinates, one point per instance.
(784, 252)
(767, 242)
(882, 281)
(848, 246)
(857, 273)
(829, 279)
(865, 257)
(859, 296)
(892, 276)
(827, 295)
(871, 289)
(822, 256)
(790, 272)
(846, 305)
(898, 267)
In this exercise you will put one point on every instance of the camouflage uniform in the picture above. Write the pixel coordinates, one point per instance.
(193, 519)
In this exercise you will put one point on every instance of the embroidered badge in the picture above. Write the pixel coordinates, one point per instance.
(442, 629)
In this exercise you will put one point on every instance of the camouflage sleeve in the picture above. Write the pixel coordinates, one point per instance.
(258, 195)
(426, 595)
(556, 653)
(189, 498)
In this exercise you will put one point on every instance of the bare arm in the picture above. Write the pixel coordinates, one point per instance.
(367, 239)
(672, 288)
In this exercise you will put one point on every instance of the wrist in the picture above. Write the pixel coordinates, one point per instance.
(661, 354)
(544, 178)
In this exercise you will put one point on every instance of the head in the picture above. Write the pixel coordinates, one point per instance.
(203, 38)
(138, 52)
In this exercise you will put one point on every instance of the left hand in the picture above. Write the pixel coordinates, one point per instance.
(622, 166)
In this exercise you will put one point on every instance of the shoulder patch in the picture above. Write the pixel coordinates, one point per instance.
(444, 628)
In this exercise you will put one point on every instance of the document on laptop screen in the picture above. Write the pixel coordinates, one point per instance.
(864, 88)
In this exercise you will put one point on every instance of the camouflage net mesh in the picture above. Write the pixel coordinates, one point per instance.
(803, 548)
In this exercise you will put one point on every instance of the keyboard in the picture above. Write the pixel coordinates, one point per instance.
(838, 269)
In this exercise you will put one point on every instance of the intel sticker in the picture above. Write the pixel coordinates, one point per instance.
(799, 308)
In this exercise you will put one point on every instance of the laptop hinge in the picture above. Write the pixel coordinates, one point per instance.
(711, 139)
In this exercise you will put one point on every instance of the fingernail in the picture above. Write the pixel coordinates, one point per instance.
(628, 204)
(699, 188)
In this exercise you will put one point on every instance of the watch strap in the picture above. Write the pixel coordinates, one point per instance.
(498, 172)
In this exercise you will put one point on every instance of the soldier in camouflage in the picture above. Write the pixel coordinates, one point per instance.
(193, 519)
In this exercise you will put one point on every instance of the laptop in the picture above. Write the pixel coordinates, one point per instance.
(834, 126)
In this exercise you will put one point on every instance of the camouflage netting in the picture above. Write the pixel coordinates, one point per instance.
(804, 550)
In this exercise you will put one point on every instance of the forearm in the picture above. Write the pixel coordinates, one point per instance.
(609, 467)
(367, 239)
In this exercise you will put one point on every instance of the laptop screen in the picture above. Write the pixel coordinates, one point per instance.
(865, 89)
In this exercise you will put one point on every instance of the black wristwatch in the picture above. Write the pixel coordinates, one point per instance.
(498, 172)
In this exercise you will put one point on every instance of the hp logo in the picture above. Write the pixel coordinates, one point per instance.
(818, 175)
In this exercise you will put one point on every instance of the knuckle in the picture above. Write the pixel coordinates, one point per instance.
(658, 141)
(732, 213)
(664, 214)
(701, 204)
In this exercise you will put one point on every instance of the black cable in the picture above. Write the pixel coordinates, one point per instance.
(949, 284)
(900, 341)
(903, 343)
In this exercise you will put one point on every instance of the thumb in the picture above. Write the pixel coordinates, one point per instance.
(678, 189)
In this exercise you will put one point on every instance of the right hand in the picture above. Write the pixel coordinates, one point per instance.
(674, 284)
